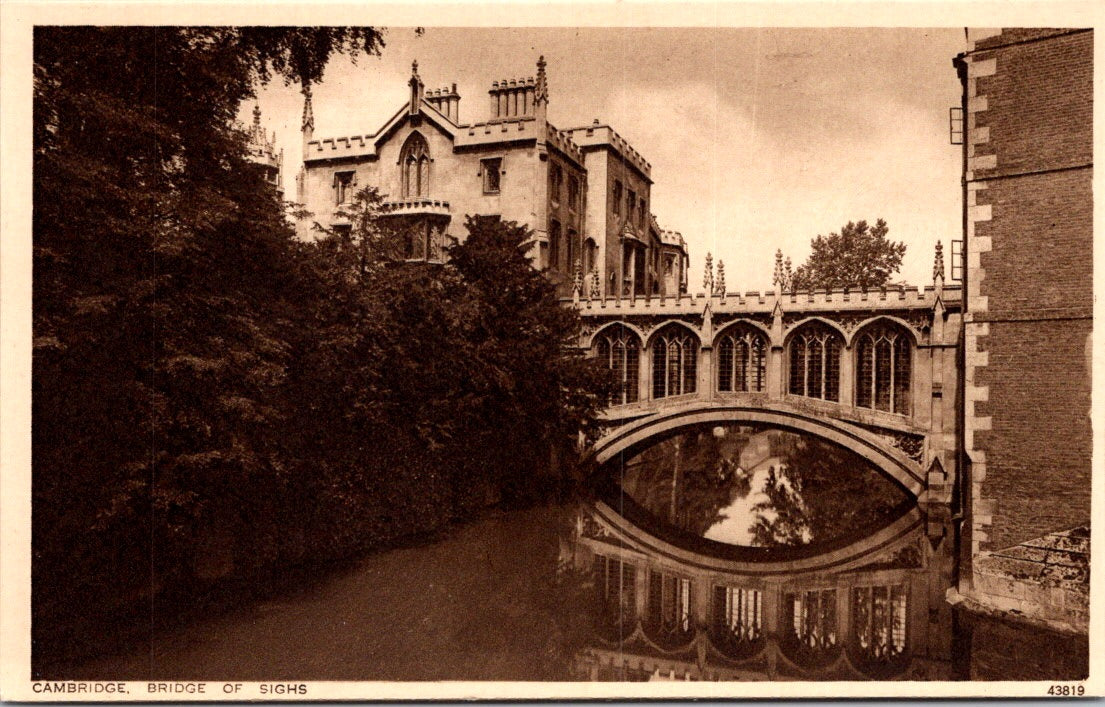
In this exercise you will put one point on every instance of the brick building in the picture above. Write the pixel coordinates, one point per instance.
(585, 192)
(1028, 222)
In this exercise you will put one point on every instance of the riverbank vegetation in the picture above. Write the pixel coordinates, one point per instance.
(216, 402)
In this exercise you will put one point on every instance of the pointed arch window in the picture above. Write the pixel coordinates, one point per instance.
(737, 624)
(674, 362)
(669, 608)
(742, 360)
(810, 628)
(815, 362)
(884, 369)
(616, 585)
(620, 350)
(414, 163)
(879, 623)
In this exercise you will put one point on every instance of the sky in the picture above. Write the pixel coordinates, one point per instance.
(759, 139)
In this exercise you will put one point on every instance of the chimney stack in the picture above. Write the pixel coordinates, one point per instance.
(512, 99)
(447, 102)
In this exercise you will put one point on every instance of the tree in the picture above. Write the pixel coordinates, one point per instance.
(860, 256)
(165, 287)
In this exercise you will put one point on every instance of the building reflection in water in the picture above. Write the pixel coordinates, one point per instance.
(749, 553)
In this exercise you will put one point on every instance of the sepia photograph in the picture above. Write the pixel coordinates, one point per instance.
(548, 359)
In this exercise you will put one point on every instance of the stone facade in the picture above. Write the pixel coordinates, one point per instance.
(1029, 244)
(571, 187)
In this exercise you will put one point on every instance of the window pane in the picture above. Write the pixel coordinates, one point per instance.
(725, 364)
(903, 375)
(864, 371)
(797, 366)
(882, 375)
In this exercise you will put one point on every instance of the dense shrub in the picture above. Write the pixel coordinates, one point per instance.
(215, 402)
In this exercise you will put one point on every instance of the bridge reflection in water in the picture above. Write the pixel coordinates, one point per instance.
(737, 551)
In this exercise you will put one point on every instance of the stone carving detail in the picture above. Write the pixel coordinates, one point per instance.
(913, 446)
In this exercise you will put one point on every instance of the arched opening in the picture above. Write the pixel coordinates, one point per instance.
(884, 368)
(879, 619)
(674, 362)
(414, 165)
(810, 626)
(668, 621)
(620, 349)
(742, 360)
(736, 628)
(814, 360)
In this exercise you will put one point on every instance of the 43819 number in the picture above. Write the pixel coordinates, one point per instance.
(1067, 690)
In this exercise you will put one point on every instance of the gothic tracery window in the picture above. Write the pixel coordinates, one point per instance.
(811, 623)
(879, 622)
(742, 360)
(883, 369)
(620, 350)
(669, 606)
(674, 362)
(414, 163)
(815, 362)
(737, 618)
(617, 596)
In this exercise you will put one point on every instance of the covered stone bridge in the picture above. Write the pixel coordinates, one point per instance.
(873, 371)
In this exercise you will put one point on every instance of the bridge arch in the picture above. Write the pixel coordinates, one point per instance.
(888, 460)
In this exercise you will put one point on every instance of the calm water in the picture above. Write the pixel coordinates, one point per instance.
(753, 486)
(730, 552)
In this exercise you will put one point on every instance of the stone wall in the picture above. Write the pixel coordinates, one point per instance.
(1030, 289)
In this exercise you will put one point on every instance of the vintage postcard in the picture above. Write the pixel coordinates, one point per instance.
(548, 351)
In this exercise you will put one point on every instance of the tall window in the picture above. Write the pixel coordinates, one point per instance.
(573, 252)
(617, 593)
(883, 369)
(556, 181)
(642, 219)
(674, 362)
(620, 350)
(414, 161)
(738, 616)
(815, 362)
(631, 205)
(573, 193)
(590, 256)
(492, 169)
(344, 183)
(617, 200)
(879, 622)
(811, 625)
(669, 606)
(554, 245)
(742, 359)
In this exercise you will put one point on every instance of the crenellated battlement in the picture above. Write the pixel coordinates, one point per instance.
(764, 302)
(598, 135)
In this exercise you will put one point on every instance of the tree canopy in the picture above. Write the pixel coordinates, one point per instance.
(860, 256)
(216, 401)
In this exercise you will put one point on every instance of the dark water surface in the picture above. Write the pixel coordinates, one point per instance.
(760, 487)
(729, 552)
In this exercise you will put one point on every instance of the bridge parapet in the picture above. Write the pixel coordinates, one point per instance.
(758, 302)
(882, 361)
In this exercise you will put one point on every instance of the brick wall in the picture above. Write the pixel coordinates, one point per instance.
(1031, 240)
(1039, 446)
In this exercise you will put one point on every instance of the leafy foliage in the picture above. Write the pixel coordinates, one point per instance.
(860, 256)
(215, 401)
